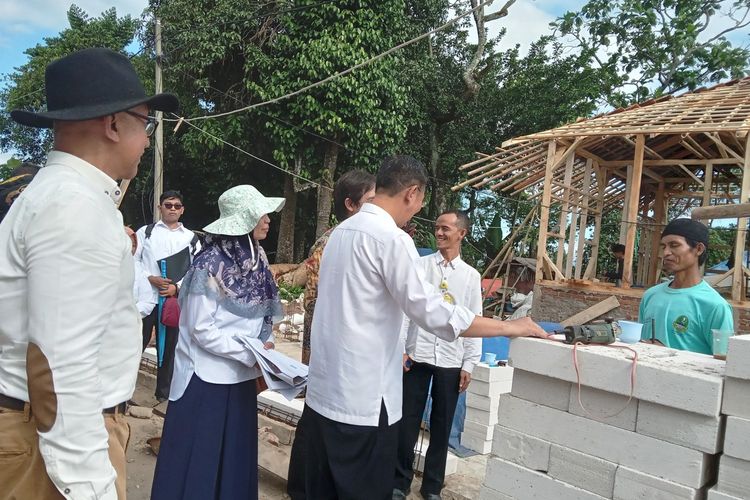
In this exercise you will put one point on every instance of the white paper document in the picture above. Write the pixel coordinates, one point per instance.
(282, 374)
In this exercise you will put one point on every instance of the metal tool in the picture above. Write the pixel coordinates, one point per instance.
(594, 333)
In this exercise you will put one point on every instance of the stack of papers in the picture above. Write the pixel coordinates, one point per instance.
(282, 374)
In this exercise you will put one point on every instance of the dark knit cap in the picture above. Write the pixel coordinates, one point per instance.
(689, 229)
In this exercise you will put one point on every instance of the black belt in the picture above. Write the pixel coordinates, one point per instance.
(10, 403)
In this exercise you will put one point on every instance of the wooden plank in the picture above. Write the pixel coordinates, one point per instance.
(565, 209)
(708, 180)
(634, 195)
(592, 312)
(660, 214)
(541, 247)
(721, 211)
(558, 274)
(673, 162)
(602, 178)
(584, 219)
(739, 245)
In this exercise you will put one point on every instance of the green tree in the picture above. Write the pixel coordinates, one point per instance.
(650, 48)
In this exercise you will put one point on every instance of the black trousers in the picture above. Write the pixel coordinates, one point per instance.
(342, 461)
(163, 372)
(444, 393)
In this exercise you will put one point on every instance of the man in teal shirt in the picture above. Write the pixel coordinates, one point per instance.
(685, 310)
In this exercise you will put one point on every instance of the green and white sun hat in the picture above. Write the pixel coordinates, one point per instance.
(240, 209)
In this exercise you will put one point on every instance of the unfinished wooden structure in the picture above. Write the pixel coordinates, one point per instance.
(676, 151)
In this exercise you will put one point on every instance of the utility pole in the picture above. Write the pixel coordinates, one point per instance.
(159, 140)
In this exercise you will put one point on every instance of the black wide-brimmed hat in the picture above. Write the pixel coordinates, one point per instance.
(91, 83)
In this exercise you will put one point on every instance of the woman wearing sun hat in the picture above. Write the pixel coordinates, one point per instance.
(209, 447)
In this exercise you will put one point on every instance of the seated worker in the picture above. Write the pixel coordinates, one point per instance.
(522, 280)
(618, 252)
(686, 309)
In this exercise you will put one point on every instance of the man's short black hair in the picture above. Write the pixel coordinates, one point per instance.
(398, 173)
(617, 248)
(462, 219)
(353, 185)
(170, 194)
(692, 244)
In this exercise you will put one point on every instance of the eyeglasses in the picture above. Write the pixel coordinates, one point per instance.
(170, 206)
(151, 122)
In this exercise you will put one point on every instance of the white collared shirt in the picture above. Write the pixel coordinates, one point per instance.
(163, 242)
(66, 285)
(464, 284)
(368, 280)
(145, 299)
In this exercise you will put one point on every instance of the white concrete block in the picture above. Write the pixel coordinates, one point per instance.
(484, 403)
(679, 379)
(736, 397)
(479, 429)
(737, 438)
(476, 443)
(540, 389)
(489, 388)
(451, 462)
(520, 483)
(714, 494)
(604, 406)
(670, 461)
(734, 476)
(484, 373)
(489, 494)
(691, 430)
(634, 485)
(480, 416)
(584, 471)
(738, 355)
(522, 449)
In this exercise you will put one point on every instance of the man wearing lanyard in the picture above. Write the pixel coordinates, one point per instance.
(69, 335)
(367, 281)
(448, 365)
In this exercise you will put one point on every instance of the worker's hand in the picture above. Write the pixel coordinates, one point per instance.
(159, 282)
(269, 345)
(464, 381)
(526, 327)
(407, 363)
(168, 290)
(260, 385)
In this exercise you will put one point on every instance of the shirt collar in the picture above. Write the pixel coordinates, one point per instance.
(371, 208)
(178, 228)
(91, 173)
(440, 260)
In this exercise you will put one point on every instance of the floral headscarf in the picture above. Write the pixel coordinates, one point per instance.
(235, 271)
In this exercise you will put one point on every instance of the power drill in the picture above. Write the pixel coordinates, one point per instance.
(594, 333)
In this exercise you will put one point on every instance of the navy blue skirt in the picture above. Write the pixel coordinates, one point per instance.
(209, 445)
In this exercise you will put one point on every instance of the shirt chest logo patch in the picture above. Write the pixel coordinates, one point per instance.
(680, 324)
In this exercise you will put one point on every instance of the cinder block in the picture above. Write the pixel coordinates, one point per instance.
(604, 406)
(699, 432)
(489, 388)
(736, 397)
(489, 494)
(634, 485)
(584, 471)
(476, 443)
(479, 429)
(672, 462)
(522, 449)
(714, 494)
(678, 379)
(520, 483)
(734, 476)
(283, 431)
(480, 416)
(737, 438)
(484, 373)
(540, 389)
(451, 461)
(738, 355)
(484, 403)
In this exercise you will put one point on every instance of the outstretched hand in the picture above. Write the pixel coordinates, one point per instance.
(526, 327)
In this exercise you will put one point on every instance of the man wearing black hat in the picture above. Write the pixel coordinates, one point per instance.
(70, 340)
(685, 310)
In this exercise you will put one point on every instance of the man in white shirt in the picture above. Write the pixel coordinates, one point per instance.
(145, 301)
(367, 281)
(69, 336)
(170, 243)
(428, 358)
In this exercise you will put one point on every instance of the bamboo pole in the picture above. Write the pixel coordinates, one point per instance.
(541, 248)
(631, 215)
(739, 245)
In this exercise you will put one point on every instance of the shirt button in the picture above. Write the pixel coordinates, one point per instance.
(66, 491)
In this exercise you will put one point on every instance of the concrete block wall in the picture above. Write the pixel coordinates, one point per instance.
(554, 440)
(482, 401)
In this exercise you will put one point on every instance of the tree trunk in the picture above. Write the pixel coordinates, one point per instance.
(438, 198)
(285, 247)
(325, 196)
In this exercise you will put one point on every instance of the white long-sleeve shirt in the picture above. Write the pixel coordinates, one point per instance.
(66, 286)
(145, 299)
(368, 280)
(464, 284)
(162, 243)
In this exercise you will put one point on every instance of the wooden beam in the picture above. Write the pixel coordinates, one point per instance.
(592, 312)
(708, 179)
(660, 215)
(673, 162)
(584, 219)
(541, 246)
(631, 215)
(602, 178)
(721, 212)
(565, 209)
(739, 245)
(558, 274)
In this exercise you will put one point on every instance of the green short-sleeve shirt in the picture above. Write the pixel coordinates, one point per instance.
(684, 317)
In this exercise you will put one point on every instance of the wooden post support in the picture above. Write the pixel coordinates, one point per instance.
(584, 218)
(541, 246)
(631, 215)
(708, 184)
(660, 214)
(623, 222)
(565, 210)
(602, 178)
(739, 245)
